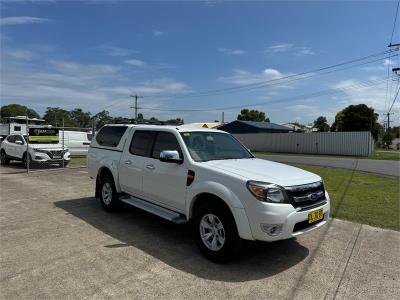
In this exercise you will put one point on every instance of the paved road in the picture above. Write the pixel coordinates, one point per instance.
(56, 242)
(380, 167)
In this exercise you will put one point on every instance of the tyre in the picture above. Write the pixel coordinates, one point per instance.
(25, 161)
(4, 160)
(216, 232)
(108, 194)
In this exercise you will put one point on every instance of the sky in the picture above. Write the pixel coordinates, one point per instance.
(95, 54)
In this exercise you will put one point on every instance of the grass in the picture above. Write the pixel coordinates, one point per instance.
(360, 197)
(377, 154)
(77, 161)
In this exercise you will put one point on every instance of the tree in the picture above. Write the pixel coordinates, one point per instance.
(102, 118)
(321, 124)
(177, 121)
(55, 116)
(80, 118)
(13, 110)
(357, 118)
(252, 115)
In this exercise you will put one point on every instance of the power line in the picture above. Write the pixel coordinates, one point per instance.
(394, 23)
(394, 100)
(294, 98)
(276, 80)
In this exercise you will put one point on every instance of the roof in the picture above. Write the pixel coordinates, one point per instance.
(264, 125)
(170, 127)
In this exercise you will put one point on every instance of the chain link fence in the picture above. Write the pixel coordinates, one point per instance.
(38, 148)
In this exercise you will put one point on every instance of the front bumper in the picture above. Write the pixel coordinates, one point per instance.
(45, 158)
(286, 217)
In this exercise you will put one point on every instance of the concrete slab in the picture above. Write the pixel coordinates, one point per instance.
(57, 242)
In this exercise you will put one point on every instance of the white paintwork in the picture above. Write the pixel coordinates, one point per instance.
(164, 183)
(16, 151)
(76, 141)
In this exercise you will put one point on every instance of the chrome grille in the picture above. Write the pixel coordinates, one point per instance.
(306, 194)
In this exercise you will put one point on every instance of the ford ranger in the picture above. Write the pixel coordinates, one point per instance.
(208, 178)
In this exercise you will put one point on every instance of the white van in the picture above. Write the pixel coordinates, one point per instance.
(77, 141)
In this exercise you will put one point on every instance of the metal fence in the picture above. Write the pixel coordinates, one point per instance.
(336, 143)
(66, 149)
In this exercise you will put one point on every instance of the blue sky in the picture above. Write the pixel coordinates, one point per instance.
(94, 54)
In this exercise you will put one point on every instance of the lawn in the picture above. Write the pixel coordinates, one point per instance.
(377, 154)
(360, 197)
(77, 161)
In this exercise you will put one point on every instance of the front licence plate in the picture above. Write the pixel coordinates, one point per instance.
(56, 156)
(315, 216)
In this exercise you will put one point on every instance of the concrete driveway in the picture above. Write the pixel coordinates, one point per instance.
(379, 167)
(56, 242)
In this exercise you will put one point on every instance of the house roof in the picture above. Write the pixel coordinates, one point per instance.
(202, 125)
(265, 125)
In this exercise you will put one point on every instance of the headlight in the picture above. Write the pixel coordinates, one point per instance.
(40, 151)
(267, 192)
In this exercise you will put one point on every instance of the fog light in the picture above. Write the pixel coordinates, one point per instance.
(272, 229)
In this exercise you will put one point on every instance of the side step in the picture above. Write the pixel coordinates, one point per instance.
(162, 212)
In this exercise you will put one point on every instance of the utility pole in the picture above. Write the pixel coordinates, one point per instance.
(136, 105)
(223, 118)
(388, 120)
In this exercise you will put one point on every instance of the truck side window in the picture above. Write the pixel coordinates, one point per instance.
(11, 138)
(110, 136)
(141, 142)
(165, 141)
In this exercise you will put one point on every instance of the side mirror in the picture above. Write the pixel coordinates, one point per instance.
(170, 156)
(19, 142)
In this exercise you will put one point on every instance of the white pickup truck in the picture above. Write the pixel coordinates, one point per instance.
(208, 178)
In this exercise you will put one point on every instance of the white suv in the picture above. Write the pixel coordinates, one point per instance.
(208, 178)
(14, 147)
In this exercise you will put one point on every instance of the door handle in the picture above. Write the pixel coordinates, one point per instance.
(128, 162)
(150, 167)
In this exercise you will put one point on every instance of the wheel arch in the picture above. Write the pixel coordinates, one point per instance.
(103, 171)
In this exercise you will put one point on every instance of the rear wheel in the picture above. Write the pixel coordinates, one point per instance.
(108, 194)
(216, 232)
(3, 158)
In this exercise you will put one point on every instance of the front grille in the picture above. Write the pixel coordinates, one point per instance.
(304, 224)
(53, 153)
(306, 194)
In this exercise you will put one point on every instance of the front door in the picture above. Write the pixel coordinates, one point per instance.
(163, 182)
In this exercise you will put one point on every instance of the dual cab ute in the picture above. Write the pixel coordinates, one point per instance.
(208, 178)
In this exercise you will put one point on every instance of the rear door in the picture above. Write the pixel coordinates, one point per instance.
(164, 182)
(132, 162)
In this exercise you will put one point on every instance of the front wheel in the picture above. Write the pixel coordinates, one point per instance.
(216, 233)
(25, 161)
(4, 159)
(108, 194)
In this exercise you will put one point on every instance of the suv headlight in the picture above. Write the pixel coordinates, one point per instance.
(267, 192)
(40, 151)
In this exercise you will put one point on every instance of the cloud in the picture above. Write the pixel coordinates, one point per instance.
(136, 62)
(22, 20)
(231, 51)
(279, 48)
(18, 54)
(116, 51)
(157, 32)
(304, 51)
(69, 84)
(243, 77)
(289, 48)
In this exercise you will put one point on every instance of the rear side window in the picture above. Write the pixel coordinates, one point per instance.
(11, 139)
(109, 136)
(165, 141)
(89, 136)
(141, 142)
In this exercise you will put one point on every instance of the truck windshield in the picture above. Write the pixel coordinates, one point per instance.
(205, 146)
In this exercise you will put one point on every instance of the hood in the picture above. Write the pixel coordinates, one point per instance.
(264, 170)
(47, 146)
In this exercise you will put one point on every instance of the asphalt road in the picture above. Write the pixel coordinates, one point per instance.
(56, 242)
(379, 167)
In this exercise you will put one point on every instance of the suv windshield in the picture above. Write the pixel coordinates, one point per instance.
(205, 146)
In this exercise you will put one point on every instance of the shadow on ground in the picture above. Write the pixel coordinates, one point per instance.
(173, 244)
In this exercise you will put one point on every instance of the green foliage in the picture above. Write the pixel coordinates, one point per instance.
(321, 124)
(80, 118)
(357, 118)
(252, 115)
(177, 121)
(13, 110)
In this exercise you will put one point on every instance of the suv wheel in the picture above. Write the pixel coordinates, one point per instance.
(216, 233)
(4, 159)
(108, 194)
(25, 161)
